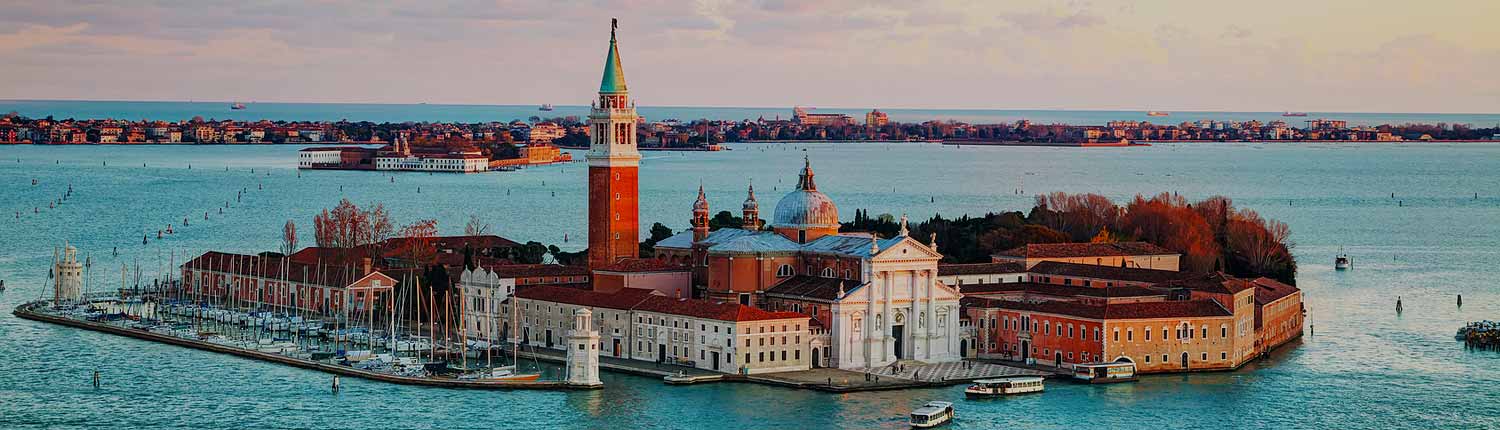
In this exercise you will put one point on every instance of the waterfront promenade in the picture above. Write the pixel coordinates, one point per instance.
(910, 375)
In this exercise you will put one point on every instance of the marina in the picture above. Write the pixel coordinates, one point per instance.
(283, 351)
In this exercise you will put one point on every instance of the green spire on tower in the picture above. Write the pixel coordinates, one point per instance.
(614, 75)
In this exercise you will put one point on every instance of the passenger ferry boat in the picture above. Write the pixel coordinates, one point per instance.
(1158, 113)
(545, 107)
(1294, 114)
(988, 388)
(932, 414)
(1104, 373)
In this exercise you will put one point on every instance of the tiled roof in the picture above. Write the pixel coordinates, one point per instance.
(764, 241)
(1070, 250)
(1141, 310)
(640, 265)
(624, 299)
(537, 270)
(684, 240)
(650, 301)
(722, 311)
(1105, 272)
(1057, 290)
(740, 240)
(1268, 290)
(276, 268)
(849, 244)
(812, 287)
(397, 248)
(980, 268)
(1218, 283)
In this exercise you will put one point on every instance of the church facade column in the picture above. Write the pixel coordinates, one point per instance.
(886, 347)
(929, 285)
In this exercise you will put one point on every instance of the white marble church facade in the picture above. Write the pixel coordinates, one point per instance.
(901, 312)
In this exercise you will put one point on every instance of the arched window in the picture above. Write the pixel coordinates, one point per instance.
(827, 272)
(784, 271)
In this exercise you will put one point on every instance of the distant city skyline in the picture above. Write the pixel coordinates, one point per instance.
(1336, 55)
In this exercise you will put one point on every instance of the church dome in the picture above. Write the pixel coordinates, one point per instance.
(806, 208)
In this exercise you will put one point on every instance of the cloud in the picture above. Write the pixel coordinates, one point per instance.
(1237, 32)
(889, 53)
(40, 35)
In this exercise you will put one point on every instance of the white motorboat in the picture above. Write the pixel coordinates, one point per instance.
(1341, 261)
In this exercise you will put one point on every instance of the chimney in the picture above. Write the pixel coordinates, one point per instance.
(366, 263)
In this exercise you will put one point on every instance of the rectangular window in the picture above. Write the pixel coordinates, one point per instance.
(762, 356)
(783, 355)
(1224, 331)
(1130, 335)
(1223, 355)
(1148, 333)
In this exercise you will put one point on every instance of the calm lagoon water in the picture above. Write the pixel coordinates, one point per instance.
(1363, 366)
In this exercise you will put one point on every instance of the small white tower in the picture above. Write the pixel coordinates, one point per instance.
(583, 351)
(68, 274)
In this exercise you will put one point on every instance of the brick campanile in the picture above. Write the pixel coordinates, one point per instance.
(614, 230)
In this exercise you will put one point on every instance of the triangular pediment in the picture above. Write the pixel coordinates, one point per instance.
(904, 248)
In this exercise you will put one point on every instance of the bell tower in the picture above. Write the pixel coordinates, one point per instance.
(751, 211)
(700, 217)
(614, 231)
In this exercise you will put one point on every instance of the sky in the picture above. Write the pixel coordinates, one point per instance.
(1438, 56)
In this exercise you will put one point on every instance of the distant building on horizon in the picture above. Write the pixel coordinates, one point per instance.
(876, 118)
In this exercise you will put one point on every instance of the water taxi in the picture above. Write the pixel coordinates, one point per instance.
(1104, 373)
(987, 388)
(1341, 261)
(932, 414)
